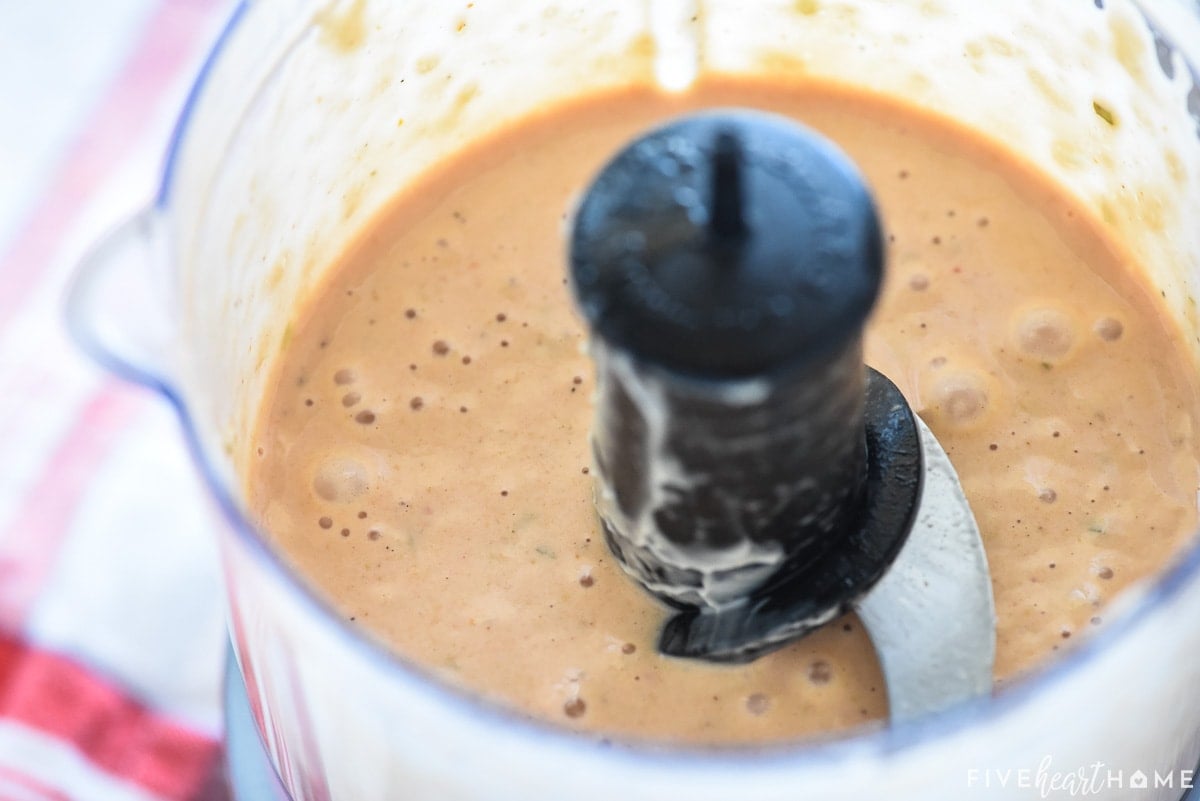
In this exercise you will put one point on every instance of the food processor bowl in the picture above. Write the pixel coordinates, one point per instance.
(308, 117)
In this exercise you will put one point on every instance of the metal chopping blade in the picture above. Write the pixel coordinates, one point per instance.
(932, 617)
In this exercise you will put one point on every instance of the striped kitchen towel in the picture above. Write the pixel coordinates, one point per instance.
(111, 628)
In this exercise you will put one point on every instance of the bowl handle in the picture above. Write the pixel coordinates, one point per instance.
(117, 302)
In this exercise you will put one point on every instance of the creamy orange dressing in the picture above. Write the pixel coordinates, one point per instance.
(424, 458)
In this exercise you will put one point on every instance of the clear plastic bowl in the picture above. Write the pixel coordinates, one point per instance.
(308, 116)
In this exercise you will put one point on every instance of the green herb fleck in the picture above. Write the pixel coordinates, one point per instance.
(1104, 113)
